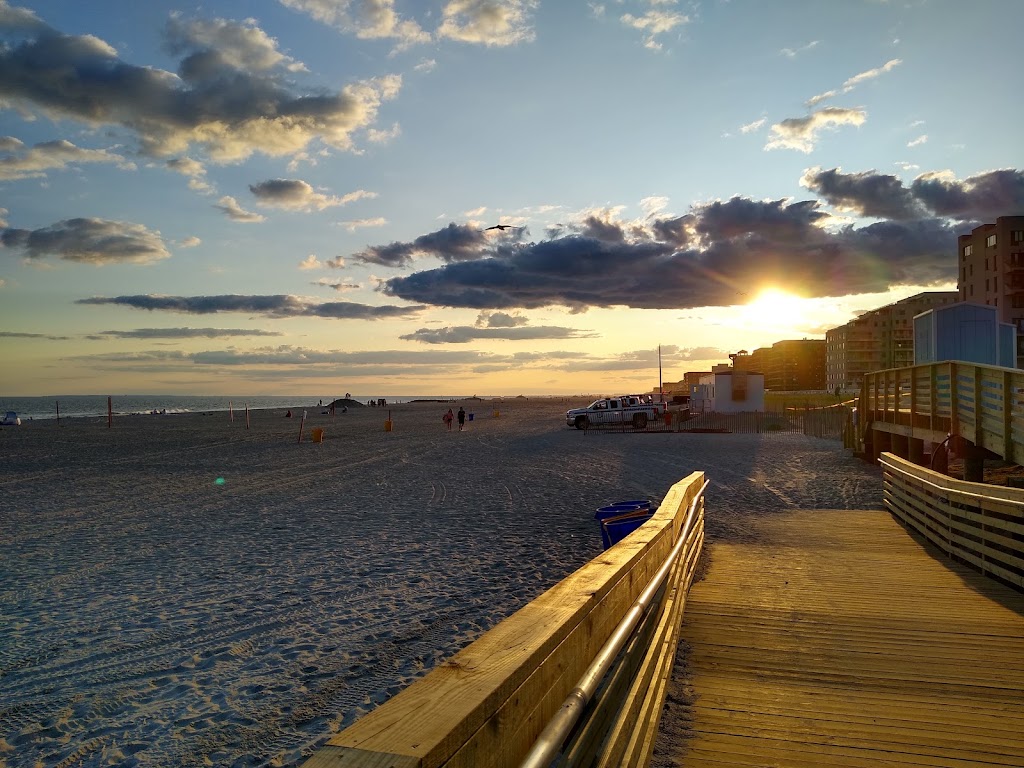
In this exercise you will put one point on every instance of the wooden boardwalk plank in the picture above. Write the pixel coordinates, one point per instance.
(838, 639)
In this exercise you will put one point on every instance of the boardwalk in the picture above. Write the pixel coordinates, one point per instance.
(837, 639)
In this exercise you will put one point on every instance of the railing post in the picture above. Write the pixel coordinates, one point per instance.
(979, 429)
(933, 395)
(954, 401)
(1008, 416)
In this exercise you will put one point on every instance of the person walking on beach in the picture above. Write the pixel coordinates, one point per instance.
(448, 418)
(462, 417)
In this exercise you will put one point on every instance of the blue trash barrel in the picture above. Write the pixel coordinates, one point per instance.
(612, 510)
(615, 530)
(641, 503)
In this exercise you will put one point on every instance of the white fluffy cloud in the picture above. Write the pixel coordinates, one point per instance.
(298, 195)
(17, 161)
(801, 133)
(229, 206)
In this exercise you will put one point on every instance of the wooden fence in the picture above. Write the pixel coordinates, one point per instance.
(486, 706)
(983, 404)
(980, 525)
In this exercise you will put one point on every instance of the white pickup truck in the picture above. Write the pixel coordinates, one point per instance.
(630, 409)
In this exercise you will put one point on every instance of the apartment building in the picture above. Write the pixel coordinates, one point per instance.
(792, 365)
(992, 271)
(880, 339)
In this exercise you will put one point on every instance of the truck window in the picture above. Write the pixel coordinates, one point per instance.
(613, 403)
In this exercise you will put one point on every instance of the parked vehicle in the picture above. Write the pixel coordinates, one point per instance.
(636, 410)
(10, 419)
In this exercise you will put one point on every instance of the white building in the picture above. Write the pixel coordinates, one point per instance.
(728, 391)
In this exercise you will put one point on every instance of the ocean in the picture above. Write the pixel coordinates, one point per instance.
(96, 405)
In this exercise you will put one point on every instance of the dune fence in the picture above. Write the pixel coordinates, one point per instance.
(577, 676)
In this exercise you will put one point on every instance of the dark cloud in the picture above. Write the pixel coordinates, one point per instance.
(866, 194)
(462, 334)
(231, 96)
(456, 242)
(20, 162)
(186, 333)
(45, 336)
(731, 248)
(984, 196)
(270, 306)
(89, 241)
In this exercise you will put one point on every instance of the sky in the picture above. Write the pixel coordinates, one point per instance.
(304, 196)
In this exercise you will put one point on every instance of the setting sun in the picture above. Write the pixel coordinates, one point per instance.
(777, 309)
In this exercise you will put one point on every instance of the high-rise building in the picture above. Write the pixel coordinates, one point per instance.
(991, 261)
(793, 365)
(877, 340)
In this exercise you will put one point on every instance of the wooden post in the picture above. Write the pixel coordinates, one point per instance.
(58, 412)
(110, 413)
(231, 413)
(979, 405)
(933, 395)
(303, 421)
(1008, 416)
(246, 415)
(954, 401)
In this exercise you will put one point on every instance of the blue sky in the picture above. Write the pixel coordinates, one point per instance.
(295, 196)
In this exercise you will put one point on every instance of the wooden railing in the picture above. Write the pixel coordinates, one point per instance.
(486, 706)
(978, 524)
(980, 403)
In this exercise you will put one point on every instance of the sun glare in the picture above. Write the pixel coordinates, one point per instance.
(776, 309)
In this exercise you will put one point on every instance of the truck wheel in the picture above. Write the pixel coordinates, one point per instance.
(639, 420)
(582, 422)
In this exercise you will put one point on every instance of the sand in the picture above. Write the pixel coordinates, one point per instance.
(179, 591)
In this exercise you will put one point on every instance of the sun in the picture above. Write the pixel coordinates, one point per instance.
(775, 308)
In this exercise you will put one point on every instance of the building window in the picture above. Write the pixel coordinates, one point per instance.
(990, 241)
(972, 290)
(968, 250)
(963, 275)
(987, 287)
(1017, 236)
(995, 283)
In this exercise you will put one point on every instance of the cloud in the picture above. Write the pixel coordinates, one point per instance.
(653, 23)
(17, 335)
(311, 262)
(708, 257)
(754, 126)
(20, 162)
(866, 194)
(194, 170)
(870, 74)
(375, 136)
(922, 139)
(792, 53)
(366, 19)
(234, 211)
(323, 282)
(801, 133)
(456, 242)
(983, 196)
(500, 320)
(853, 82)
(487, 22)
(190, 242)
(297, 195)
(426, 65)
(187, 333)
(217, 44)
(89, 241)
(232, 95)
(463, 334)
(278, 306)
(354, 224)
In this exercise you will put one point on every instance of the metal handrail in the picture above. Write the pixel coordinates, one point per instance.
(950, 491)
(558, 728)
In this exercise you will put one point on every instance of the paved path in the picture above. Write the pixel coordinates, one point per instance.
(835, 638)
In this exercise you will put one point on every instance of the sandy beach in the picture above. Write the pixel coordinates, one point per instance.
(181, 591)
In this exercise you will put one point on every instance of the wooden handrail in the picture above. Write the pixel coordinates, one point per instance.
(981, 525)
(486, 706)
